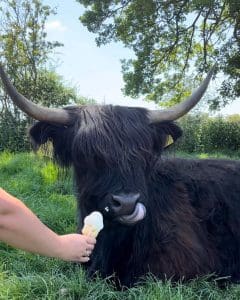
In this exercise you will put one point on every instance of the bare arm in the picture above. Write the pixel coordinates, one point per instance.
(20, 228)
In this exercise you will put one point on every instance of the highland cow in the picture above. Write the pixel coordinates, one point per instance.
(174, 218)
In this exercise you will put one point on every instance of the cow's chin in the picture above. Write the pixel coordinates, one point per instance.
(137, 215)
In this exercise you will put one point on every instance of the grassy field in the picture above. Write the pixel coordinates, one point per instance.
(25, 276)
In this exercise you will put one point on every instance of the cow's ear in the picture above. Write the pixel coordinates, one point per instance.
(165, 134)
(169, 141)
(60, 136)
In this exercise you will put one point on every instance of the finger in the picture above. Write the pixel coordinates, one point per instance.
(85, 256)
(90, 247)
(87, 252)
(91, 240)
(84, 259)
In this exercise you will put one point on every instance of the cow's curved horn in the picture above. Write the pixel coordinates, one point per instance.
(52, 115)
(182, 108)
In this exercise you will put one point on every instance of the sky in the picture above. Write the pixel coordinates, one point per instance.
(95, 71)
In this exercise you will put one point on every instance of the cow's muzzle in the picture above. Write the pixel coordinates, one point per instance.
(126, 208)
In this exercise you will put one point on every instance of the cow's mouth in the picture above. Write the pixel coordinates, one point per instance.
(137, 215)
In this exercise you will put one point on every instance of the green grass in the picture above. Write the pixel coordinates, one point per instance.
(48, 193)
(218, 155)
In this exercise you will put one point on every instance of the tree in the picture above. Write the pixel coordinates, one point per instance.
(169, 38)
(24, 50)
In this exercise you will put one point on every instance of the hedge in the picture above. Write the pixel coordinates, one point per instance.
(202, 133)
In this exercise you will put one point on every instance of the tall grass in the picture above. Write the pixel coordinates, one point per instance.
(49, 194)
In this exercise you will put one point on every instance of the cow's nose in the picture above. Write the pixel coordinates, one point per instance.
(124, 204)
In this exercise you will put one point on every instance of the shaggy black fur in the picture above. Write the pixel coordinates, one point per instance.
(193, 206)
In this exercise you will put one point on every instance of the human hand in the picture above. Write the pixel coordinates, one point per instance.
(76, 247)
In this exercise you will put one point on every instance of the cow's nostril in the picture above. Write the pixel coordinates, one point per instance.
(123, 204)
(115, 203)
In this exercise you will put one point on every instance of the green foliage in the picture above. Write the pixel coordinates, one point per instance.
(168, 37)
(28, 276)
(50, 90)
(23, 44)
(13, 131)
(202, 133)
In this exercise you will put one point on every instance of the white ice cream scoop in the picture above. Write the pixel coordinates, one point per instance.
(93, 223)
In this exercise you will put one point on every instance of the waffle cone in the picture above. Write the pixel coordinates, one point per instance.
(90, 230)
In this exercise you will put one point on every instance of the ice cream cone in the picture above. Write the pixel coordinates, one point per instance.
(93, 223)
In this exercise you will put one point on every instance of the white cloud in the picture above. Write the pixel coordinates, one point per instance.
(55, 26)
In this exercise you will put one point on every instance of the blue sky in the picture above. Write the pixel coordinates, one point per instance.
(96, 71)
